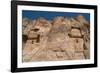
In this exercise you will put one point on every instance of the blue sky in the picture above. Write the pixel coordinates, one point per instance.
(50, 15)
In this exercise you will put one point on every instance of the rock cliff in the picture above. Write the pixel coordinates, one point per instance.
(58, 39)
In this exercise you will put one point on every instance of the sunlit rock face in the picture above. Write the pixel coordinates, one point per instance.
(55, 40)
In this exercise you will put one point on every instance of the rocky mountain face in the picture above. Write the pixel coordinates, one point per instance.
(54, 40)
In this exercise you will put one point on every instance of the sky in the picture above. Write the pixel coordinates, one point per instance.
(50, 15)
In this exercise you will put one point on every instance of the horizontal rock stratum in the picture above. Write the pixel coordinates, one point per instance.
(58, 39)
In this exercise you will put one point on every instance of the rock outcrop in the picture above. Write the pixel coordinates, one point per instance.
(58, 39)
